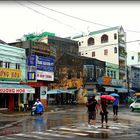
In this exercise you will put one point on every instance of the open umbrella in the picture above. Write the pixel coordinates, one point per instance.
(114, 95)
(108, 97)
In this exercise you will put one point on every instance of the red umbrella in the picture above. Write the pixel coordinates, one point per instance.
(107, 97)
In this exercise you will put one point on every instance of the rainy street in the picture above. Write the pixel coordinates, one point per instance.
(68, 122)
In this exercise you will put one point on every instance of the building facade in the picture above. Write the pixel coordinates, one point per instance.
(12, 74)
(107, 45)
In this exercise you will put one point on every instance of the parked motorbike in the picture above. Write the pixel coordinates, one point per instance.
(37, 109)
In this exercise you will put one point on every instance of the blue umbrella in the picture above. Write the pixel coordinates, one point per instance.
(114, 95)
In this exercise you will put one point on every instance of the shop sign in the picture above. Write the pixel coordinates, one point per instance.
(46, 76)
(12, 90)
(45, 64)
(31, 76)
(107, 80)
(32, 60)
(43, 92)
(117, 82)
(7, 73)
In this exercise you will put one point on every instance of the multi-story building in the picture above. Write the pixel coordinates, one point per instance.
(40, 67)
(78, 72)
(107, 45)
(12, 73)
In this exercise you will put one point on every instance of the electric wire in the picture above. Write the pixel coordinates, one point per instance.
(84, 20)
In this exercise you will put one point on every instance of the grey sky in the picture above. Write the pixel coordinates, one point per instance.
(17, 20)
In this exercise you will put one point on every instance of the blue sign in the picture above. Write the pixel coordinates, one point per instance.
(45, 68)
(31, 76)
(45, 64)
(32, 60)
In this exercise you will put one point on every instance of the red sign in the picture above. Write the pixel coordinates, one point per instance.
(12, 90)
(35, 84)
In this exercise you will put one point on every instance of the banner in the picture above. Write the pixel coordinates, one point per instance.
(6, 73)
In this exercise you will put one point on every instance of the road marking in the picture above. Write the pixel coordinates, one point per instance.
(28, 136)
(52, 134)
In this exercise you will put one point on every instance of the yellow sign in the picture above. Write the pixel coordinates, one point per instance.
(107, 80)
(7, 73)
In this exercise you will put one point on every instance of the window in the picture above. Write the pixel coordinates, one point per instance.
(115, 50)
(114, 74)
(104, 38)
(17, 66)
(115, 36)
(69, 75)
(138, 56)
(111, 73)
(1, 64)
(108, 73)
(132, 57)
(78, 74)
(93, 54)
(90, 41)
(7, 64)
(86, 53)
(106, 52)
(82, 54)
(79, 43)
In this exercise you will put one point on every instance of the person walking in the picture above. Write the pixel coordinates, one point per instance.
(92, 106)
(115, 107)
(104, 111)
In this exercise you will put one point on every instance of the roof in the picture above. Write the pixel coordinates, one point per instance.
(105, 30)
(2, 42)
(99, 31)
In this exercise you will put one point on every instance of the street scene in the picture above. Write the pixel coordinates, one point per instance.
(69, 70)
(69, 122)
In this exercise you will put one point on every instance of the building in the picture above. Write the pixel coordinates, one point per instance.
(107, 45)
(78, 74)
(12, 74)
(40, 66)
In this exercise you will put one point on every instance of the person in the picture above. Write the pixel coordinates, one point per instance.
(104, 111)
(37, 102)
(39, 106)
(21, 106)
(115, 107)
(92, 110)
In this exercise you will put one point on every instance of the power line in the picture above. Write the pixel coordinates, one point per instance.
(68, 14)
(78, 17)
(48, 16)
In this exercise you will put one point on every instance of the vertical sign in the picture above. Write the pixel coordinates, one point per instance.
(32, 64)
(43, 92)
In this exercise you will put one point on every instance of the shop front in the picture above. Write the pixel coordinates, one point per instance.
(11, 95)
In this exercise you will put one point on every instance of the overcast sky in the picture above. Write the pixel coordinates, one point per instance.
(19, 18)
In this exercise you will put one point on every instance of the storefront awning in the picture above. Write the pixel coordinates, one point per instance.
(59, 91)
(107, 88)
(124, 90)
(16, 88)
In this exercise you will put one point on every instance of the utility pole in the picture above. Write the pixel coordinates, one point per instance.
(128, 82)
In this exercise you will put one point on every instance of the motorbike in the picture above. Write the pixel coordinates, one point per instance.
(37, 109)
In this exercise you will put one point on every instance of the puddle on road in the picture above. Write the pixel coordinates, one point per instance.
(3, 123)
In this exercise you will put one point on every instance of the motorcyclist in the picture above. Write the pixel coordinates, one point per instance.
(39, 106)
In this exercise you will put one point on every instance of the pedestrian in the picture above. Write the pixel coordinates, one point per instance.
(37, 102)
(104, 111)
(115, 107)
(92, 106)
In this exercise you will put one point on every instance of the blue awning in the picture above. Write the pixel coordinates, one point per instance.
(124, 90)
(54, 91)
(16, 88)
(59, 91)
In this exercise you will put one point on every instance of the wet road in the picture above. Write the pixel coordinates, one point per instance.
(70, 123)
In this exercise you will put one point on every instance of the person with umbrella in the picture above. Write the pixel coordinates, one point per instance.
(104, 111)
(104, 108)
(115, 105)
(92, 106)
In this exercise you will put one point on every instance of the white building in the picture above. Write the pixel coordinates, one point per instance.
(107, 45)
